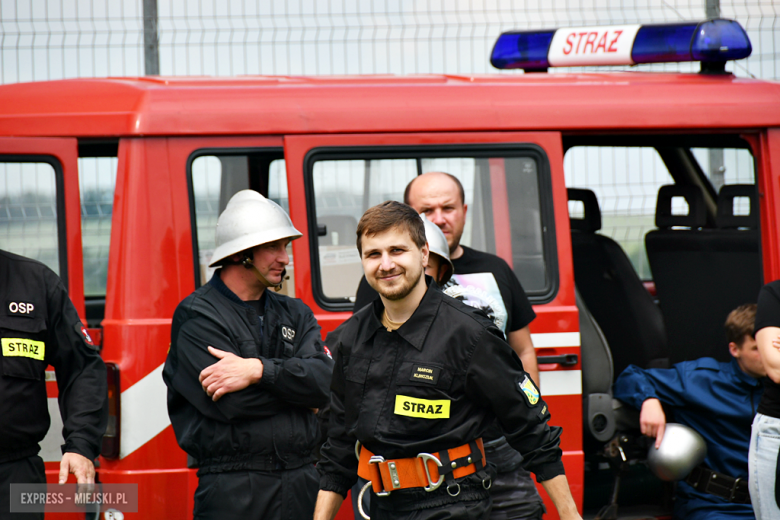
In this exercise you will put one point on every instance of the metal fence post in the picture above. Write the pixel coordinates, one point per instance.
(713, 9)
(717, 168)
(151, 42)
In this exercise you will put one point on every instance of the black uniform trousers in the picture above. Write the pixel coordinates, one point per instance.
(511, 494)
(260, 495)
(514, 494)
(417, 504)
(512, 489)
(29, 470)
(510, 499)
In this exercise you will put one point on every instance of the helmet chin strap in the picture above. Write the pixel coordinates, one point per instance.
(247, 262)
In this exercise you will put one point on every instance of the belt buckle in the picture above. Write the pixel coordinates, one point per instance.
(431, 484)
(734, 489)
(376, 459)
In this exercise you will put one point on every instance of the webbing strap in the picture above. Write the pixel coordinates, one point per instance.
(390, 475)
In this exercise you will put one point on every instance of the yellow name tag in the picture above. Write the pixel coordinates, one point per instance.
(21, 347)
(423, 408)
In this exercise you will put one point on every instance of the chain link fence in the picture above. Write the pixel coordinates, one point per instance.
(53, 39)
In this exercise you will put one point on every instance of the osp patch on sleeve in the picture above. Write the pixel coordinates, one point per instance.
(81, 330)
(529, 390)
(422, 408)
(21, 347)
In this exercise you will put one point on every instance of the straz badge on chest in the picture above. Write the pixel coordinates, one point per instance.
(422, 408)
(425, 374)
(20, 347)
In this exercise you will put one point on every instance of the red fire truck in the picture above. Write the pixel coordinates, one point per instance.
(327, 148)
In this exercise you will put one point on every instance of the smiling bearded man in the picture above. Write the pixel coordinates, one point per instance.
(419, 377)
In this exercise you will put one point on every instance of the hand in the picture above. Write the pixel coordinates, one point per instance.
(230, 374)
(652, 420)
(79, 465)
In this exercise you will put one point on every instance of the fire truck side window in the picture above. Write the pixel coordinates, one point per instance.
(344, 189)
(626, 181)
(725, 166)
(29, 223)
(687, 218)
(97, 182)
(504, 195)
(216, 178)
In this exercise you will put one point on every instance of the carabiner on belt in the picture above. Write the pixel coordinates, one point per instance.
(360, 501)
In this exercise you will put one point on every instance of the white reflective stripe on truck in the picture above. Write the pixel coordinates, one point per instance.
(144, 412)
(560, 382)
(556, 339)
(144, 415)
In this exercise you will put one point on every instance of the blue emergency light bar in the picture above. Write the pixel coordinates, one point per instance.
(712, 41)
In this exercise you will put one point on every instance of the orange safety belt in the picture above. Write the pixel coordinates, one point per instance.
(423, 470)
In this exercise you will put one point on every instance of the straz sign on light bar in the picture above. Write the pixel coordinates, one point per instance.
(609, 45)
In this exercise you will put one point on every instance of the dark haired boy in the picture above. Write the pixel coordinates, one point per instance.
(718, 400)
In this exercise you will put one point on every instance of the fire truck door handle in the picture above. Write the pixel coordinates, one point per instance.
(566, 360)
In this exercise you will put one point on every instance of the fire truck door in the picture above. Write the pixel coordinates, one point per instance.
(41, 219)
(517, 209)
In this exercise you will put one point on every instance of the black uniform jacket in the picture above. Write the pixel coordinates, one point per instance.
(39, 327)
(434, 384)
(267, 423)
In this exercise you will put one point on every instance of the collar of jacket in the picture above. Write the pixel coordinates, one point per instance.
(742, 377)
(415, 329)
(225, 291)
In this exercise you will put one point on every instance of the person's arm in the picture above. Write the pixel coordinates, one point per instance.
(521, 314)
(646, 389)
(558, 489)
(304, 379)
(521, 343)
(635, 385)
(301, 380)
(229, 374)
(81, 381)
(494, 377)
(189, 356)
(338, 465)
(770, 355)
(328, 504)
(768, 328)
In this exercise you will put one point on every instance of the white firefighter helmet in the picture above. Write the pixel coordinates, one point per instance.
(249, 220)
(681, 450)
(437, 244)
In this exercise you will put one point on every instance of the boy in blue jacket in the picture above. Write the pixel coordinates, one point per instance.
(718, 400)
